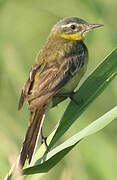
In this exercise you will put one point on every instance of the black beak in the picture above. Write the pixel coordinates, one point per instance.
(92, 26)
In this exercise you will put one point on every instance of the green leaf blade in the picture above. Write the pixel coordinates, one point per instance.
(55, 155)
(88, 92)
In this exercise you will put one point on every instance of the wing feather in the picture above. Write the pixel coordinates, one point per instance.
(27, 85)
(52, 77)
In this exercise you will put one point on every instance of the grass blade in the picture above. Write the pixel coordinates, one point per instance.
(55, 155)
(88, 92)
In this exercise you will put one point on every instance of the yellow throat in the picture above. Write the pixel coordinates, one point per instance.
(73, 37)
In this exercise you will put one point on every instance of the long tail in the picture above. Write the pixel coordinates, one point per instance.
(32, 136)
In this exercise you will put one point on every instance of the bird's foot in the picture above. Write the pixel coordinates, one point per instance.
(70, 95)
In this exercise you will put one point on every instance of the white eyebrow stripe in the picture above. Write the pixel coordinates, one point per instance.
(68, 25)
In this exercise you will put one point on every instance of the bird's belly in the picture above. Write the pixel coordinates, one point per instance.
(69, 87)
(73, 82)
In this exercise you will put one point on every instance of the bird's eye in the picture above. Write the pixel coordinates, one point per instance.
(73, 27)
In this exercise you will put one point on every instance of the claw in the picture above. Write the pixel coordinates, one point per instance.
(44, 140)
(73, 99)
(70, 95)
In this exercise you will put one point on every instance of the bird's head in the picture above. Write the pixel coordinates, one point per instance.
(73, 28)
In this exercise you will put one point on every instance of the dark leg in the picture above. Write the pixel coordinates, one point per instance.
(43, 139)
(70, 95)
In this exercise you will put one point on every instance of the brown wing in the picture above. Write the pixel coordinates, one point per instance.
(27, 85)
(46, 80)
(51, 79)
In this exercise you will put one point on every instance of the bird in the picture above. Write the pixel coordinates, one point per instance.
(58, 68)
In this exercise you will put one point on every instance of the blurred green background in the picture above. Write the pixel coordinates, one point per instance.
(24, 27)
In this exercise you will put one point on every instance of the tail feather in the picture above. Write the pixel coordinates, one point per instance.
(32, 136)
